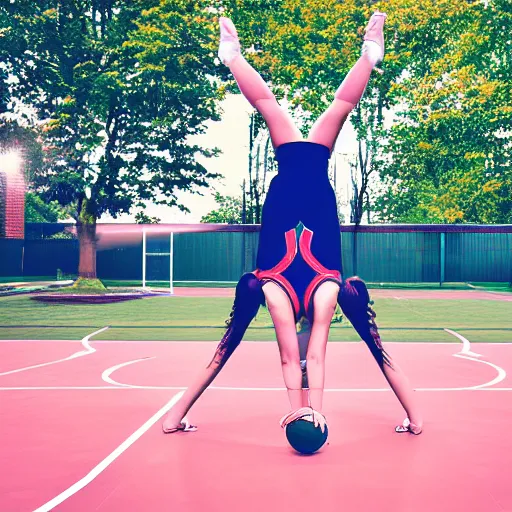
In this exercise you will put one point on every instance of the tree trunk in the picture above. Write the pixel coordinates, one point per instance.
(251, 143)
(86, 230)
(265, 168)
(257, 218)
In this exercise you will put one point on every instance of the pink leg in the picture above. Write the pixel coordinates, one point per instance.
(282, 315)
(354, 301)
(324, 305)
(253, 87)
(327, 127)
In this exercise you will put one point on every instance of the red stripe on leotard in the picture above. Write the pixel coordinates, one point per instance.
(324, 274)
(274, 274)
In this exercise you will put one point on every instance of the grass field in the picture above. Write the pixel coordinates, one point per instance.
(113, 283)
(202, 319)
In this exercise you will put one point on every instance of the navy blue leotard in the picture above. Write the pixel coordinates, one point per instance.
(300, 243)
(300, 248)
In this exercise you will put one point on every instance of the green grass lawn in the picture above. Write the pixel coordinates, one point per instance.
(198, 318)
(114, 283)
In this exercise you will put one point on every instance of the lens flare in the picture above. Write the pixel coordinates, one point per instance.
(10, 162)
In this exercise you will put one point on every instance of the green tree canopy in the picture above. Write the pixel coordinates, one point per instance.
(37, 210)
(305, 49)
(444, 153)
(229, 211)
(449, 149)
(118, 88)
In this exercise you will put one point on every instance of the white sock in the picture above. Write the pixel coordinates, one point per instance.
(373, 51)
(228, 50)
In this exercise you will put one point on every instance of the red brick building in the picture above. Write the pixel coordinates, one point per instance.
(12, 205)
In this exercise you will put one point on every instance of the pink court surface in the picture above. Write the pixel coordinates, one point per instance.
(81, 430)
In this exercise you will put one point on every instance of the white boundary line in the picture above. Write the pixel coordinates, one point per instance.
(466, 344)
(58, 388)
(40, 341)
(466, 353)
(501, 372)
(175, 342)
(227, 388)
(87, 479)
(85, 343)
(106, 374)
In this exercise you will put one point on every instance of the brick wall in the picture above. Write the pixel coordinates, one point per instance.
(12, 205)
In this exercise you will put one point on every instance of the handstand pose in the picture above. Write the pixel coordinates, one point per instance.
(299, 271)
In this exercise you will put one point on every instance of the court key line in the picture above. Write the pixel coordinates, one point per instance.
(501, 375)
(109, 371)
(501, 372)
(84, 342)
(99, 468)
(466, 353)
(227, 388)
(466, 344)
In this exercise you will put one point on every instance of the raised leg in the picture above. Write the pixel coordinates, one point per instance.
(248, 298)
(280, 124)
(354, 301)
(327, 127)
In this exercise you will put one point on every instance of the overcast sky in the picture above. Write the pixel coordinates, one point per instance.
(231, 136)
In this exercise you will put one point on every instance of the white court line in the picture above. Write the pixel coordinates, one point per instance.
(40, 341)
(109, 371)
(58, 388)
(466, 353)
(262, 342)
(85, 343)
(501, 372)
(229, 388)
(106, 376)
(466, 344)
(87, 479)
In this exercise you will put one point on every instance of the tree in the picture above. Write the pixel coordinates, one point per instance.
(4, 89)
(261, 166)
(118, 87)
(450, 145)
(305, 49)
(142, 218)
(37, 210)
(229, 211)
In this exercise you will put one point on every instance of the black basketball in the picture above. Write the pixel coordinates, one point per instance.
(304, 437)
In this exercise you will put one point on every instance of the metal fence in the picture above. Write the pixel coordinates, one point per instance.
(377, 253)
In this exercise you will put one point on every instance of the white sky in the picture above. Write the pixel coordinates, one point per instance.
(231, 136)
